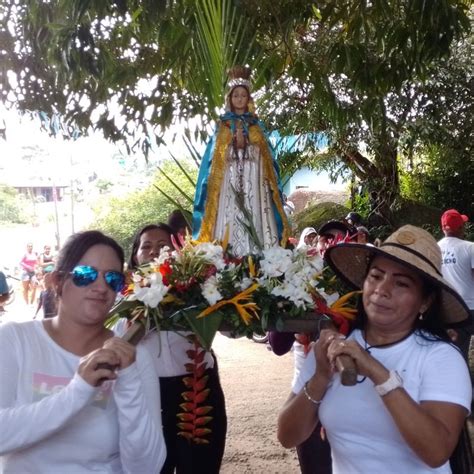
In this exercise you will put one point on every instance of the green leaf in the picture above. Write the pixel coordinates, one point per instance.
(204, 328)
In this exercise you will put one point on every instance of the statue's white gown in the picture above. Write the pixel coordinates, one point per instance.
(245, 175)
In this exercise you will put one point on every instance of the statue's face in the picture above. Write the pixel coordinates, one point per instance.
(239, 99)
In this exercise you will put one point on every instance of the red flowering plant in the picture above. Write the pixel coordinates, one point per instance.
(202, 287)
(194, 287)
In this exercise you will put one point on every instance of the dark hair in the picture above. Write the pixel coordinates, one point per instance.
(354, 217)
(179, 219)
(132, 262)
(430, 321)
(78, 244)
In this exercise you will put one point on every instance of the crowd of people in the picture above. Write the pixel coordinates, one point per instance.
(77, 398)
(406, 413)
(35, 277)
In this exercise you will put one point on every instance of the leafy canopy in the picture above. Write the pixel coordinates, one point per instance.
(354, 70)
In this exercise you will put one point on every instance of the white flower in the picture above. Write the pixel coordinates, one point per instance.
(212, 253)
(210, 290)
(153, 293)
(276, 261)
(164, 255)
(137, 278)
(245, 283)
(295, 292)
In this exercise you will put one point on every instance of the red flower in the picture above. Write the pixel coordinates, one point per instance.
(304, 339)
(235, 260)
(337, 239)
(166, 271)
(195, 415)
(339, 321)
(183, 286)
(210, 270)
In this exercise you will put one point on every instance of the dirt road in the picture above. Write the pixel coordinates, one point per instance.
(256, 383)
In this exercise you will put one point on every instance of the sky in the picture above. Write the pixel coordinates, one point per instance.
(87, 154)
(64, 160)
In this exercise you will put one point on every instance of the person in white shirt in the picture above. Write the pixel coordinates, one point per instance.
(308, 238)
(458, 256)
(170, 351)
(73, 398)
(408, 409)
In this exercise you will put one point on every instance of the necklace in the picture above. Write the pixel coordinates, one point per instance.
(367, 347)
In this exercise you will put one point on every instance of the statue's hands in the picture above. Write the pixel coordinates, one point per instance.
(240, 139)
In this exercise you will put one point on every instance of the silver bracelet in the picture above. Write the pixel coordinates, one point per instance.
(308, 396)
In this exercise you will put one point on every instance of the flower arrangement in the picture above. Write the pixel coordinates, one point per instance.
(201, 287)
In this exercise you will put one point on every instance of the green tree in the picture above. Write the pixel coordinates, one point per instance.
(439, 143)
(350, 69)
(366, 75)
(122, 217)
(11, 206)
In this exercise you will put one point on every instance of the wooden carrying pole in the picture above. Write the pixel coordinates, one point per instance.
(345, 364)
(134, 335)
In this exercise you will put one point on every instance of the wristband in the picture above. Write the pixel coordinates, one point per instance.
(394, 381)
(308, 396)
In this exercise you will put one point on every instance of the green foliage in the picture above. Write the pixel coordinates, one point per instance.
(11, 206)
(443, 180)
(361, 205)
(366, 75)
(104, 185)
(123, 217)
(377, 78)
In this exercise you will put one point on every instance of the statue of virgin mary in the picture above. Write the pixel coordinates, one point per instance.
(238, 191)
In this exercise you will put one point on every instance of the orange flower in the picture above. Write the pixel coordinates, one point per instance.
(242, 302)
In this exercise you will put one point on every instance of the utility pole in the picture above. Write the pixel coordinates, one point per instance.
(72, 195)
(56, 216)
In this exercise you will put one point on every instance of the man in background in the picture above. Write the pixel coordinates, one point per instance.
(458, 266)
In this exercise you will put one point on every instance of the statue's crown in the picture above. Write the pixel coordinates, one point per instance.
(239, 76)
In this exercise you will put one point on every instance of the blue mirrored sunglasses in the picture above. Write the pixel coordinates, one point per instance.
(83, 275)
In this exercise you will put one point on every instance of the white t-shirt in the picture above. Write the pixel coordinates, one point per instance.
(361, 432)
(299, 358)
(168, 350)
(52, 421)
(457, 266)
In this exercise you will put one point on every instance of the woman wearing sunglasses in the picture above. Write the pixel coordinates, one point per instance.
(60, 410)
(170, 351)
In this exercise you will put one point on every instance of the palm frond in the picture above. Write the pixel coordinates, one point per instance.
(223, 40)
(183, 170)
(247, 222)
(196, 157)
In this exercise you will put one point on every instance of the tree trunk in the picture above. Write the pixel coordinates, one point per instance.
(379, 179)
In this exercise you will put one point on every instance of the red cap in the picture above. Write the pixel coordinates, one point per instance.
(453, 220)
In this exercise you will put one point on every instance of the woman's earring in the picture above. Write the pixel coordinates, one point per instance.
(421, 315)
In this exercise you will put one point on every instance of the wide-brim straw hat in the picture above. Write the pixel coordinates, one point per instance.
(410, 246)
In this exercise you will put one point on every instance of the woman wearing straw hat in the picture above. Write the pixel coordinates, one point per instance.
(408, 408)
